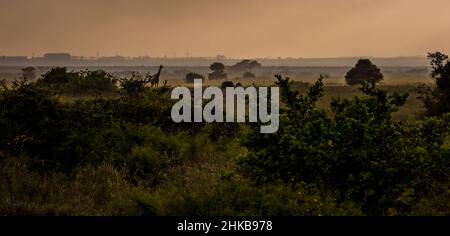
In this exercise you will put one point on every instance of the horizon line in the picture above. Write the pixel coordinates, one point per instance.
(127, 57)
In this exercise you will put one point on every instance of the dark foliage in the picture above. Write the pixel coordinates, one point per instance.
(84, 82)
(218, 71)
(358, 149)
(133, 87)
(437, 100)
(364, 71)
(191, 76)
(28, 73)
(226, 84)
(123, 155)
(245, 65)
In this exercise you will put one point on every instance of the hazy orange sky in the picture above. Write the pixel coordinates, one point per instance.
(235, 28)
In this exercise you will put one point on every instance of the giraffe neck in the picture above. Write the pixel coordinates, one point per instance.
(159, 72)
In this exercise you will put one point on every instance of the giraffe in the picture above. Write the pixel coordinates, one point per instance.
(154, 81)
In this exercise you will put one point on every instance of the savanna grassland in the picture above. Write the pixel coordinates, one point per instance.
(100, 143)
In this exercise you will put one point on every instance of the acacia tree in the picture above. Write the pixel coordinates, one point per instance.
(364, 71)
(245, 65)
(218, 71)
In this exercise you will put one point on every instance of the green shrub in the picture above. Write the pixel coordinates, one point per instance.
(133, 87)
(125, 156)
(76, 83)
(357, 149)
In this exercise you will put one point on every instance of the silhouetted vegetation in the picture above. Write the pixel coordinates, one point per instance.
(364, 71)
(191, 76)
(218, 71)
(134, 86)
(28, 73)
(83, 82)
(437, 99)
(245, 65)
(226, 84)
(121, 154)
(358, 151)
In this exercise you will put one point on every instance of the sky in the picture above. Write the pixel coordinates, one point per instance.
(234, 28)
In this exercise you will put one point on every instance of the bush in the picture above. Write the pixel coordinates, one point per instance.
(358, 150)
(57, 75)
(62, 136)
(75, 83)
(191, 76)
(28, 117)
(133, 87)
(125, 156)
(97, 80)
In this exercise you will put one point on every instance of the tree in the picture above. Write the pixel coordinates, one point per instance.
(218, 71)
(437, 100)
(245, 65)
(364, 71)
(28, 73)
(191, 76)
(217, 67)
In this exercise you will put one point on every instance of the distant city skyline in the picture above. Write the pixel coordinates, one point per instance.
(66, 59)
(235, 28)
(175, 56)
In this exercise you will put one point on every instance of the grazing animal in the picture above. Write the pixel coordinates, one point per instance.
(154, 81)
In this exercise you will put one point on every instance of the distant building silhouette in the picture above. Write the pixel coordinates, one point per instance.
(57, 57)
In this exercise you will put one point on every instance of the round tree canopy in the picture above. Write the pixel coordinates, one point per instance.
(364, 70)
